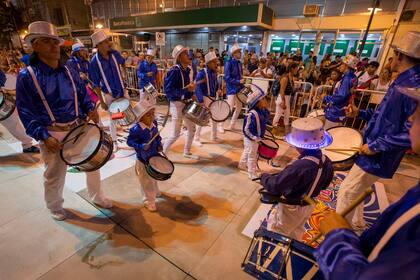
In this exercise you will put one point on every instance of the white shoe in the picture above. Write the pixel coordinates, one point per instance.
(151, 206)
(103, 202)
(198, 143)
(59, 215)
(191, 156)
(221, 129)
(254, 176)
(242, 166)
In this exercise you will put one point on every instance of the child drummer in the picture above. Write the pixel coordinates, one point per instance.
(253, 129)
(138, 138)
(306, 176)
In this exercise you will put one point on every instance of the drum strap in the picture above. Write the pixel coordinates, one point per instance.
(118, 71)
(319, 173)
(207, 81)
(103, 74)
(182, 75)
(393, 229)
(44, 100)
(257, 118)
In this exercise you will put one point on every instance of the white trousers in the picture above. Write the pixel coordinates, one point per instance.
(289, 219)
(280, 112)
(207, 102)
(112, 124)
(148, 185)
(355, 183)
(55, 176)
(249, 155)
(329, 124)
(15, 127)
(233, 101)
(175, 107)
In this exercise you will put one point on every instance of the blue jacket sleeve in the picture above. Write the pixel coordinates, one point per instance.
(94, 74)
(229, 77)
(390, 141)
(135, 138)
(201, 89)
(142, 71)
(340, 254)
(26, 108)
(173, 85)
(342, 95)
(250, 127)
(366, 115)
(281, 183)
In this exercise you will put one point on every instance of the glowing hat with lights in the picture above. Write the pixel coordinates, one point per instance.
(308, 133)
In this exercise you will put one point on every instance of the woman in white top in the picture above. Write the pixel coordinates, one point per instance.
(382, 84)
(262, 72)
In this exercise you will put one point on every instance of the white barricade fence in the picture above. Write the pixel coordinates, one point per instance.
(302, 100)
(318, 96)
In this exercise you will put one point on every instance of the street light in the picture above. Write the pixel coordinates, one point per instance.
(99, 26)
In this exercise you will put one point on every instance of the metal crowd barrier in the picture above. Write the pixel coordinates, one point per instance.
(302, 100)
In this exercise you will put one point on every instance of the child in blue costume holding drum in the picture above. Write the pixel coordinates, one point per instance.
(254, 128)
(139, 137)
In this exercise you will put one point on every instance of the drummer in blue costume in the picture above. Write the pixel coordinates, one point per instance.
(15, 127)
(234, 83)
(147, 70)
(178, 89)
(139, 137)
(335, 110)
(306, 176)
(389, 249)
(386, 134)
(51, 100)
(105, 73)
(209, 73)
(79, 60)
(255, 124)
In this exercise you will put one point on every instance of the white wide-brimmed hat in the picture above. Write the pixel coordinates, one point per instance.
(77, 47)
(142, 108)
(351, 61)
(99, 36)
(150, 52)
(309, 133)
(178, 50)
(256, 95)
(210, 56)
(41, 29)
(410, 91)
(235, 47)
(409, 44)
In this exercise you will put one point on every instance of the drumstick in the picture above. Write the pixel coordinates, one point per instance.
(163, 125)
(197, 83)
(343, 149)
(351, 207)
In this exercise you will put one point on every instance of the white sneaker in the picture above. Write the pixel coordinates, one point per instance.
(221, 129)
(191, 156)
(103, 202)
(151, 206)
(59, 215)
(198, 143)
(254, 176)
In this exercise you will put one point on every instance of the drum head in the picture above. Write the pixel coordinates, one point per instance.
(85, 145)
(161, 164)
(119, 105)
(219, 110)
(270, 143)
(316, 113)
(343, 138)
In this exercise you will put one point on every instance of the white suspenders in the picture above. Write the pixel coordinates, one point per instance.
(44, 100)
(257, 118)
(103, 74)
(318, 175)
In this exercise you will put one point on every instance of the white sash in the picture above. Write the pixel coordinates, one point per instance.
(257, 118)
(44, 100)
(318, 175)
(182, 76)
(103, 74)
(393, 229)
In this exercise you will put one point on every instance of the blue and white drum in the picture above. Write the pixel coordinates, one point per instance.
(275, 256)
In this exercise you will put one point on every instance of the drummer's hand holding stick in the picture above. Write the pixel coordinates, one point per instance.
(352, 111)
(101, 99)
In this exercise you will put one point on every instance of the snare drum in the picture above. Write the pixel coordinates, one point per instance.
(90, 151)
(318, 114)
(197, 113)
(159, 167)
(274, 256)
(343, 138)
(219, 110)
(122, 105)
(7, 105)
(242, 95)
(267, 149)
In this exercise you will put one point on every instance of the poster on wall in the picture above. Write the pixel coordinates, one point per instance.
(160, 38)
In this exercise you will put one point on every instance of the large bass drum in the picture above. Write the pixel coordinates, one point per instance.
(88, 152)
(343, 138)
(197, 113)
(7, 105)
